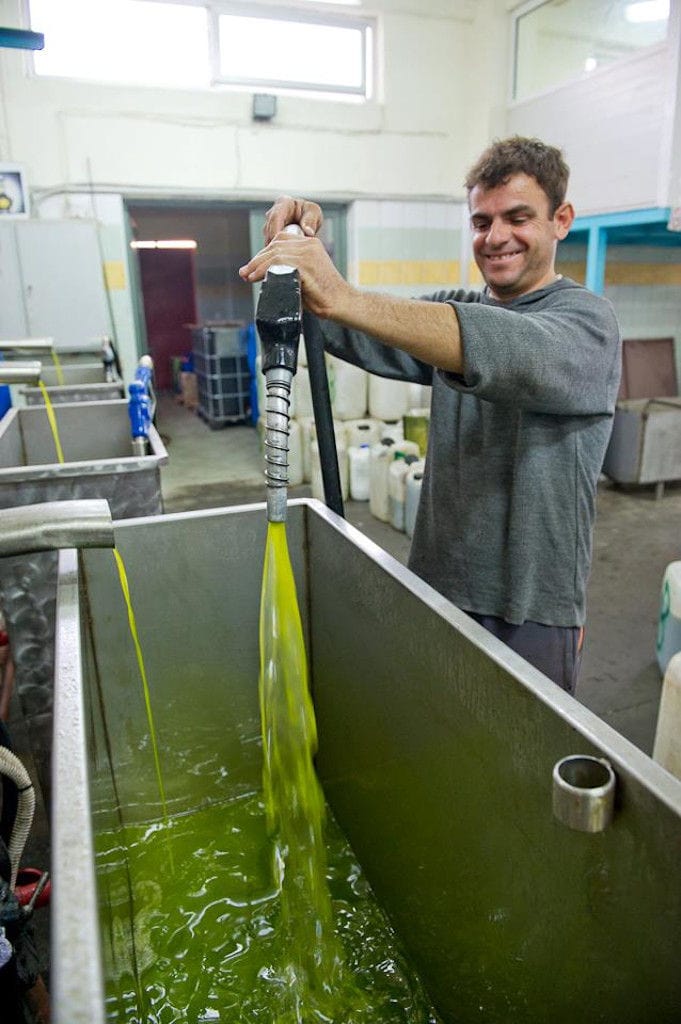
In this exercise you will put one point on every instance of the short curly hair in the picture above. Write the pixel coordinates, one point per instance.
(518, 155)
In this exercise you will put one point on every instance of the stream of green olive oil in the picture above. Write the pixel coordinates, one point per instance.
(57, 366)
(266, 916)
(52, 420)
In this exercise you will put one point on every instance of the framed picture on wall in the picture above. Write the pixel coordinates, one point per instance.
(13, 192)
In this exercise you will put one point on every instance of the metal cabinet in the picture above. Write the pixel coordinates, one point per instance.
(51, 282)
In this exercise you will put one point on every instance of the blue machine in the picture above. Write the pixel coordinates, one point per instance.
(142, 405)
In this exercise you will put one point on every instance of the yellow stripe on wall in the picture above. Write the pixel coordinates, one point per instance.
(408, 272)
(631, 274)
(114, 275)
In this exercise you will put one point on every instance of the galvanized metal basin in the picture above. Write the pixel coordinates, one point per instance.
(95, 438)
(645, 446)
(101, 391)
(73, 373)
(437, 749)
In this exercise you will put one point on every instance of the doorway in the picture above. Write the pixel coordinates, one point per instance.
(168, 280)
(225, 237)
(181, 288)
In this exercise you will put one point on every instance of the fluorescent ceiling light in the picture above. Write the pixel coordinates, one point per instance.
(165, 243)
(646, 11)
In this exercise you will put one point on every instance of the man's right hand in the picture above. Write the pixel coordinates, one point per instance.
(286, 210)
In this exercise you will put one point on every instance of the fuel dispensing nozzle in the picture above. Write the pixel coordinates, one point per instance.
(279, 320)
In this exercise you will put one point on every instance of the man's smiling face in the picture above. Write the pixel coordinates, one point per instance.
(515, 235)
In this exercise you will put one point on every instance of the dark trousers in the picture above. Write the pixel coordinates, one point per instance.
(554, 650)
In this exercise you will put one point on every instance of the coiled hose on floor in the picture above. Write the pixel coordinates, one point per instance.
(11, 766)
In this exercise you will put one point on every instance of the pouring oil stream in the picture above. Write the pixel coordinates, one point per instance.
(319, 988)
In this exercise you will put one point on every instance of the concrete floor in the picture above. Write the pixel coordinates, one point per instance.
(636, 537)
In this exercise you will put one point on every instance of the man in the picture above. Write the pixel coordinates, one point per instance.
(525, 377)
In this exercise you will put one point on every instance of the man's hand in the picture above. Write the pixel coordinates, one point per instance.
(287, 210)
(324, 291)
(426, 330)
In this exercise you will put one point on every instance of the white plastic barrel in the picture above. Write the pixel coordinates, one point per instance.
(408, 448)
(414, 480)
(414, 392)
(362, 431)
(394, 429)
(380, 457)
(669, 622)
(667, 746)
(316, 481)
(388, 399)
(309, 434)
(397, 491)
(358, 469)
(348, 389)
(260, 388)
(306, 424)
(301, 395)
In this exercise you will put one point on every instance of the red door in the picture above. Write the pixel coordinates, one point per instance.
(169, 294)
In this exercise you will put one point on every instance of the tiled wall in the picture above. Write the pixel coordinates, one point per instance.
(644, 285)
(406, 248)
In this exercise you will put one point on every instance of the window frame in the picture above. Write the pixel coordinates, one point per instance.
(338, 18)
(528, 7)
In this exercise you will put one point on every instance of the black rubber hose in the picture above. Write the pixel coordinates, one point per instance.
(323, 417)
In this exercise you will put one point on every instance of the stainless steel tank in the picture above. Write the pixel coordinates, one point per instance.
(438, 753)
(97, 446)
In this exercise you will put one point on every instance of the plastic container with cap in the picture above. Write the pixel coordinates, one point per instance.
(348, 387)
(667, 745)
(388, 399)
(393, 429)
(669, 622)
(416, 426)
(380, 457)
(309, 434)
(316, 479)
(413, 484)
(364, 431)
(358, 468)
(397, 491)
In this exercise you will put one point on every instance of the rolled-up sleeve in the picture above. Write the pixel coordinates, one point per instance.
(561, 361)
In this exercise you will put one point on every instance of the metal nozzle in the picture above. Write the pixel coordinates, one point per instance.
(279, 320)
(56, 524)
(278, 382)
(20, 373)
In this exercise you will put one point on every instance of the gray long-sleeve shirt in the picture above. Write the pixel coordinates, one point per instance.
(516, 445)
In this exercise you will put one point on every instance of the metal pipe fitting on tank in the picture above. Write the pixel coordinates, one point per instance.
(53, 525)
(20, 373)
(584, 793)
(278, 318)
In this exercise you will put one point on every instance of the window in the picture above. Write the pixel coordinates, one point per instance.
(199, 44)
(125, 41)
(300, 51)
(559, 40)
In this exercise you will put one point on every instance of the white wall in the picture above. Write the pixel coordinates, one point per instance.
(619, 128)
(439, 89)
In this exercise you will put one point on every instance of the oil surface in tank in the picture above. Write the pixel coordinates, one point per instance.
(208, 939)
